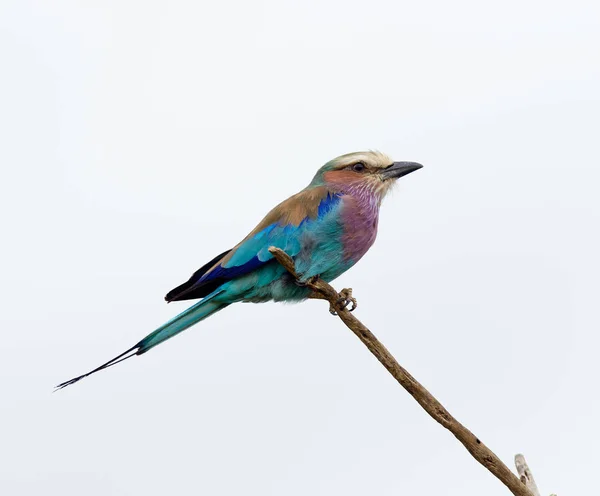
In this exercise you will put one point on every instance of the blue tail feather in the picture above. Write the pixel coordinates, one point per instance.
(179, 323)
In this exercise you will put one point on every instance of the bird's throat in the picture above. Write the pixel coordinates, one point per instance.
(360, 218)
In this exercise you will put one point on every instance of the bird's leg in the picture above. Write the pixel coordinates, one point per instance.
(345, 299)
(307, 281)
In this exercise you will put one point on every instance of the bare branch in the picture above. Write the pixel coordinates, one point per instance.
(526, 475)
(433, 407)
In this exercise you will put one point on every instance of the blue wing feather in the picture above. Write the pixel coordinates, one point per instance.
(253, 253)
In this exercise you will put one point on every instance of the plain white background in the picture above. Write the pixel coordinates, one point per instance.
(140, 139)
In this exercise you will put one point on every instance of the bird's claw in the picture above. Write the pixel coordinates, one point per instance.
(310, 280)
(345, 299)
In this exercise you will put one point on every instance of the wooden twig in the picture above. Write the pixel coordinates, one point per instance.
(526, 476)
(433, 407)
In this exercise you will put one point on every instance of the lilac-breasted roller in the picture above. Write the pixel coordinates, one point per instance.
(326, 228)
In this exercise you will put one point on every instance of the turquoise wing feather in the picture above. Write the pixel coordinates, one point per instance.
(279, 228)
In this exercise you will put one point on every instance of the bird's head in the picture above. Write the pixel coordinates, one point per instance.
(370, 172)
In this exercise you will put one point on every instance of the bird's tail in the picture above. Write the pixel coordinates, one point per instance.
(180, 323)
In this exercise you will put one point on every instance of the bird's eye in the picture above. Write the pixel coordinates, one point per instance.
(358, 167)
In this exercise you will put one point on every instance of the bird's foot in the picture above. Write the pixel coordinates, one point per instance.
(345, 299)
(306, 282)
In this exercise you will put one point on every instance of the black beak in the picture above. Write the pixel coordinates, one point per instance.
(399, 169)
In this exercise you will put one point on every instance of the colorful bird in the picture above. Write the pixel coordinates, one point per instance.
(326, 228)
